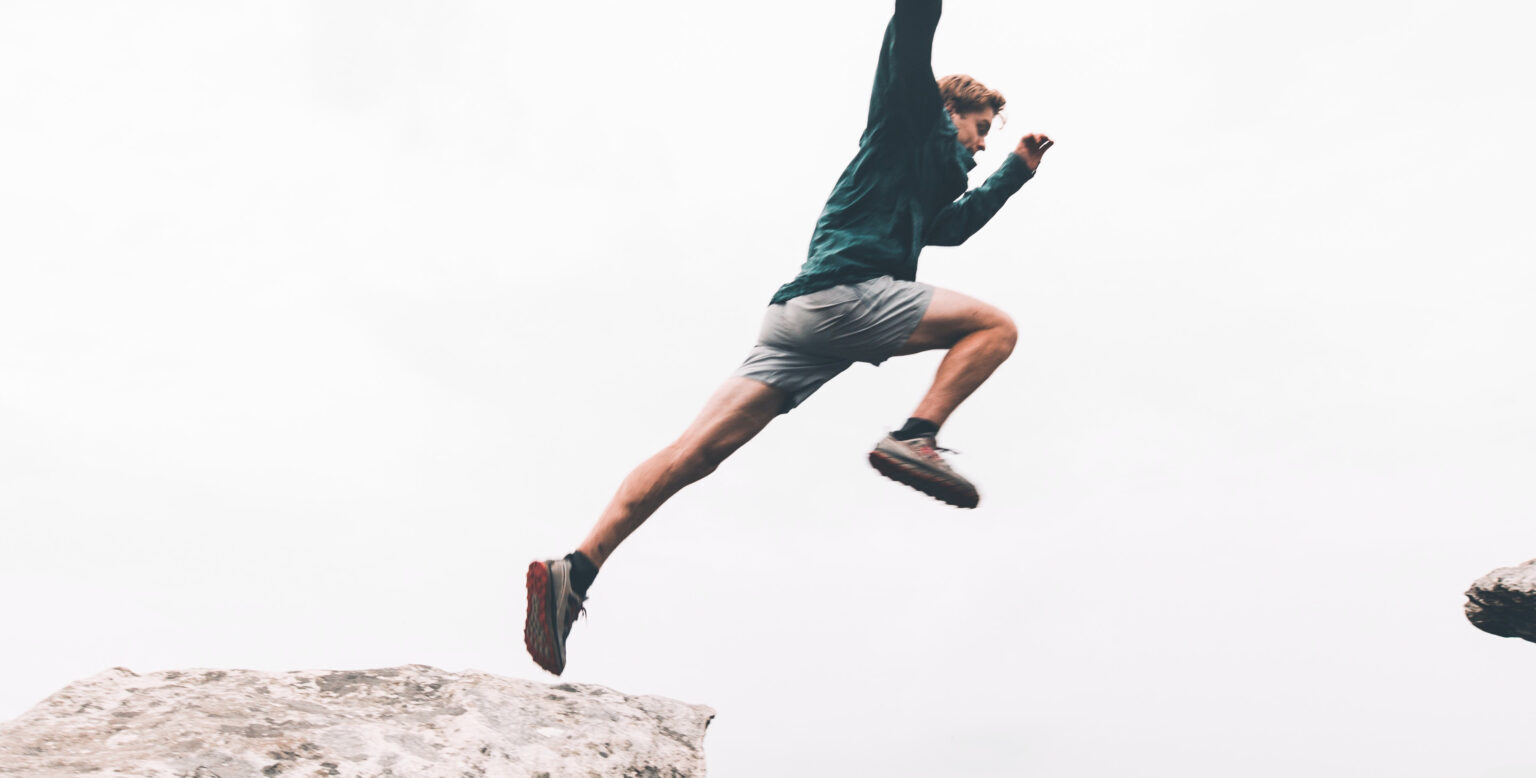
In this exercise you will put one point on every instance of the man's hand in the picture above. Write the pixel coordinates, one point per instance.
(1031, 148)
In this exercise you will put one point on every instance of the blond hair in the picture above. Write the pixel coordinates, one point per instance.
(963, 94)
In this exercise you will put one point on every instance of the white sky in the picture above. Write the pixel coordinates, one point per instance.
(319, 320)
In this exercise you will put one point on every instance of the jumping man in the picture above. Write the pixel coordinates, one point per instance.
(855, 300)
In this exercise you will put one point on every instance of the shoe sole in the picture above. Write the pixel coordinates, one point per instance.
(903, 472)
(537, 633)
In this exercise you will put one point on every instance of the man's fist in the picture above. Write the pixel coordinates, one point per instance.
(1032, 147)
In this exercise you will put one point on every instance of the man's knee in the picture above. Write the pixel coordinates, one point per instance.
(1007, 332)
(998, 327)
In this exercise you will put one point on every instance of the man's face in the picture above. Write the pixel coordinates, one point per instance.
(973, 128)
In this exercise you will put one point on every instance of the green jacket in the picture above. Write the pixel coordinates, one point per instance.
(899, 193)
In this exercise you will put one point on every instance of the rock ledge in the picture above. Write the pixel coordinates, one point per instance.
(402, 721)
(1503, 602)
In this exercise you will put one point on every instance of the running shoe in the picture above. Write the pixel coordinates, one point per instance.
(917, 464)
(552, 608)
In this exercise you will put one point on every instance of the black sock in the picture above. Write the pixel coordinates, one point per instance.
(582, 572)
(916, 428)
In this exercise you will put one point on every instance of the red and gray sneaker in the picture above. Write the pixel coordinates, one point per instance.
(917, 464)
(552, 608)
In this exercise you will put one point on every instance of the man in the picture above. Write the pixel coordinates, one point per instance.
(855, 299)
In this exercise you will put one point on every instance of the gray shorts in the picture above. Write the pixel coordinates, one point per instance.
(807, 340)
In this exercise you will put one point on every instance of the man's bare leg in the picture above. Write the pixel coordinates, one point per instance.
(979, 337)
(557, 588)
(739, 410)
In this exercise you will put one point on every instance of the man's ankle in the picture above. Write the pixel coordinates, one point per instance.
(916, 428)
(583, 571)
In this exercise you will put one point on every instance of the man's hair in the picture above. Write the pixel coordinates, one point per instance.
(963, 94)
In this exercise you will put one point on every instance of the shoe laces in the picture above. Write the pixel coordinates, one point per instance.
(574, 609)
(575, 605)
(933, 443)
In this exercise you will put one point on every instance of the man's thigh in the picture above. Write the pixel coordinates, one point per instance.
(950, 317)
(739, 409)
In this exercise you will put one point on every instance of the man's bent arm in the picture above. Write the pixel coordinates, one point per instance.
(906, 94)
(962, 218)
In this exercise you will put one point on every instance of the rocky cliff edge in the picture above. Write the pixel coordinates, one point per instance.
(401, 721)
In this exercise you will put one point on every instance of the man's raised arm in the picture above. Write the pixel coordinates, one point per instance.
(962, 218)
(906, 95)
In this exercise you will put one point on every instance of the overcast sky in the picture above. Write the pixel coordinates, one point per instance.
(319, 320)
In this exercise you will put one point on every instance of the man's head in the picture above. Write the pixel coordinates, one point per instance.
(972, 107)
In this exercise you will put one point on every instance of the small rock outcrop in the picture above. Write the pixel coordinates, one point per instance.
(1504, 602)
(404, 721)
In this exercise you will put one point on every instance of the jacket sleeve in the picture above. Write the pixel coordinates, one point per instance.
(906, 96)
(962, 218)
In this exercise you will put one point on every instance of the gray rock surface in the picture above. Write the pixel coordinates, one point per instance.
(1504, 602)
(403, 721)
